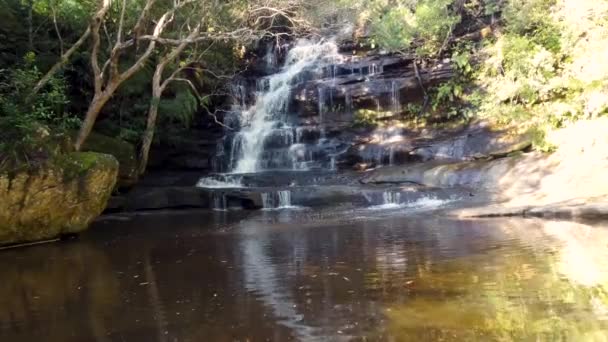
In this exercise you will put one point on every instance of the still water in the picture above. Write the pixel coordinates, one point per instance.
(302, 275)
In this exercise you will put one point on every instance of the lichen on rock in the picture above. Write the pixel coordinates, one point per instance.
(61, 197)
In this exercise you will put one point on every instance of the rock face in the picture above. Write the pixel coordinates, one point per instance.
(61, 198)
(315, 126)
(570, 182)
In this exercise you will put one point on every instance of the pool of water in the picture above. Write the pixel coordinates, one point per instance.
(312, 276)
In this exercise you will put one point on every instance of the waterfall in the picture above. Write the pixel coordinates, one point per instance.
(391, 156)
(348, 101)
(321, 104)
(299, 134)
(277, 200)
(395, 97)
(390, 200)
(271, 104)
(220, 202)
(332, 163)
(220, 182)
(284, 198)
(267, 202)
(391, 197)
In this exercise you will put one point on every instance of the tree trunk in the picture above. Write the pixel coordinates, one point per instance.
(148, 137)
(96, 105)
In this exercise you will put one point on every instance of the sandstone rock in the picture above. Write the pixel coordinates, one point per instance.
(61, 197)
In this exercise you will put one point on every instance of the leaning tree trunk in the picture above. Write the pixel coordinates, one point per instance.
(148, 137)
(63, 60)
(96, 105)
(158, 87)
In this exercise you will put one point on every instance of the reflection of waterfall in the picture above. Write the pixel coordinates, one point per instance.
(271, 105)
(262, 279)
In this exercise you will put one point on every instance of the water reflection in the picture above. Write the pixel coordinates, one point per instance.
(283, 276)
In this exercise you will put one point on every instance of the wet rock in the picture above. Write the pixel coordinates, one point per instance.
(116, 204)
(167, 198)
(587, 209)
(191, 162)
(62, 197)
(474, 143)
(186, 197)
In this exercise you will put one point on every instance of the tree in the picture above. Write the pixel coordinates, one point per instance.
(265, 19)
(108, 78)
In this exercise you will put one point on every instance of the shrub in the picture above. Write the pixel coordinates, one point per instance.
(422, 26)
(27, 125)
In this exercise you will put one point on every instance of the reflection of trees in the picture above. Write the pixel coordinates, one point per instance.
(319, 281)
(53, 287)
(517, 291)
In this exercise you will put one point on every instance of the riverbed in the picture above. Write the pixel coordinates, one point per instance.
(340, 274)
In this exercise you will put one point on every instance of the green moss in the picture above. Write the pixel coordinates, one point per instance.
(76, 164)
(123, 151)
(539, 141)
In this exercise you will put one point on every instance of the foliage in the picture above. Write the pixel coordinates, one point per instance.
(409, 26)
(368, 117)
(538, 70)
(28, 124)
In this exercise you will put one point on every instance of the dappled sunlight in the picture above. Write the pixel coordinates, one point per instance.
(505, 293)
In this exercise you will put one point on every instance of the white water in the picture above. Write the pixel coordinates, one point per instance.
(392, 200)
(277, 200)
(271, 104)
(284, 198)
(214, 183)
(220, 202)
(395, 97)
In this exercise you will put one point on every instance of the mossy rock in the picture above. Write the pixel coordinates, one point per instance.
(61, 197)
(123, 151)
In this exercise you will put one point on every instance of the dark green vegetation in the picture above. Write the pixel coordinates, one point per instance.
(124, 68)
(76, 63)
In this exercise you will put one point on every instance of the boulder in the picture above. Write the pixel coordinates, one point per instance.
(61, 197)
(123, 151)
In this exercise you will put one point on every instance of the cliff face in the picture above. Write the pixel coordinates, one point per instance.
(61, 197)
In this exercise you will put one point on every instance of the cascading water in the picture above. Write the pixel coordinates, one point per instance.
(277, 200)
(296, 119)
(391, 198)
(395, 97)
(220, 201)
(284, 198)
(271, 106)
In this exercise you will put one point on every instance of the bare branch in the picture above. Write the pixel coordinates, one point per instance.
(62, 61)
